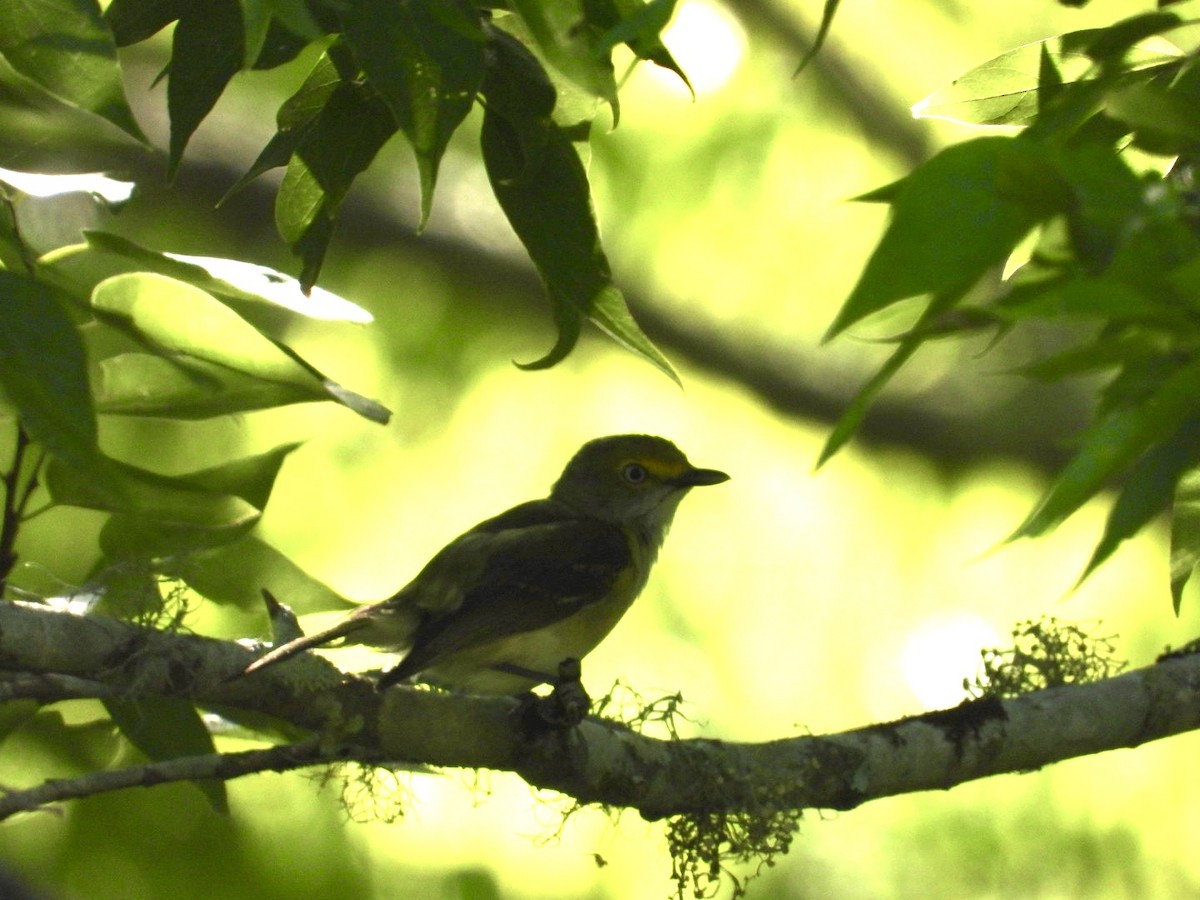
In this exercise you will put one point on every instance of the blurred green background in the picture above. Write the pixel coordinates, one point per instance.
(788, 601)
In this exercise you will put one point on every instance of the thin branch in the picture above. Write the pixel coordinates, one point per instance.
(50, 688)
(185, 768)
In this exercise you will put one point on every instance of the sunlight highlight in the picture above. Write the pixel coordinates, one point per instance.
(940, 653)
(708, 44)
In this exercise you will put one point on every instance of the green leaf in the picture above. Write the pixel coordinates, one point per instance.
(953, 218)
(173, 317)
(542, 187)
(828, 11)
(166, 500)
(1105, 299)
(1113, 443)
(561, 31)
(65, 48)
(1147, 491)
(166, 728)
(235, 573)
(252, 477)
(180, 318)
(853, 417)
(1155, 111)
(206, 53)
(1106, 352)
(1110, 44)
(1019, 85)
(142, 384)
(43, 370)
(295, 117)
(1185, 534)
(233, 279)
(339, 144)
(638, 25)
(425, 57)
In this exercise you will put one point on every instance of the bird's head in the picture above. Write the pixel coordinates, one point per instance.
(633, 480)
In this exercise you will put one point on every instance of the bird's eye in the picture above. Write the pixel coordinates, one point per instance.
(634, 473)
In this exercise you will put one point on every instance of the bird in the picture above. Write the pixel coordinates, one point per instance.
(503, 606)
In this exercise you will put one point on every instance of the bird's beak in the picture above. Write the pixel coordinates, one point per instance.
(699, 477)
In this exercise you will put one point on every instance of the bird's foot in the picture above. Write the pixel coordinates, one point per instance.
(563, 708)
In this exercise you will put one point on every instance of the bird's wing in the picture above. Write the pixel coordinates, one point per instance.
(521, 579)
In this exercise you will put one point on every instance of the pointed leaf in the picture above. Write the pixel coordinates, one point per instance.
(852, 418)
(206, 53)
(166, 728)
(177, 318)
(567, 42)
(827, 13)
(143, 384)
(1147, 491)
(1185, 534)
(340, 143)
(543, 190)
(43, 371)
(65, 48)
(163, 499)
(133, 21)
(425, 57)
(234, 279)
(1112, 444)
(1007, 90)
(952, 219)
(235, 573)
(295, 117)
(639, 25)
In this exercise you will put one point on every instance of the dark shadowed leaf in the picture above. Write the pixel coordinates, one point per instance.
(206, 53)
(166, 728)
(1148, 490)
(338, 145)
(133, 21)
(425, 57)
(235, 573)
(1114, 442)
(43, 371)
(543, 189)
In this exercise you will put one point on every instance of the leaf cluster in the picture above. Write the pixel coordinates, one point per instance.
(1096, 171)
(108, 330)
(538, 69)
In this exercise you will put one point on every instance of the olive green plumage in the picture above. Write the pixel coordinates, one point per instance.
(499, 607)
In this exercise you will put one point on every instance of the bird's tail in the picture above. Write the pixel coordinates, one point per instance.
(305, 642)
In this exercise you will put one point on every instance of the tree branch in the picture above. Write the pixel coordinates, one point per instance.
(605, 762)
(184, 768)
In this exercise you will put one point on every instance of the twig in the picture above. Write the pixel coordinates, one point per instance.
(185, 768)
(50, 688)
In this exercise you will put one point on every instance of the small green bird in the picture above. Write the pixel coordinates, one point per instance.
(499, 608)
